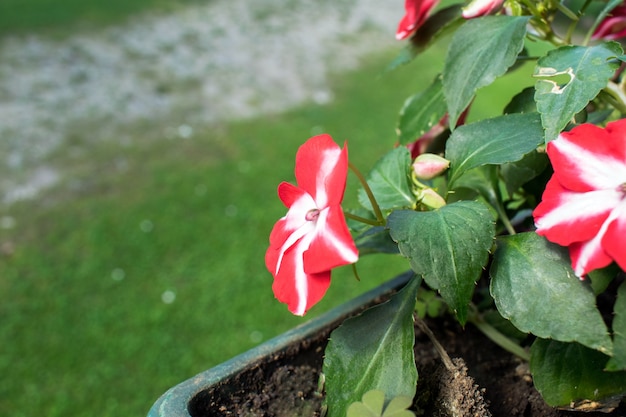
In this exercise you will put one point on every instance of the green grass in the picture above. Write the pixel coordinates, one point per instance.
(86, 330)
(84, 269)
(27, 16)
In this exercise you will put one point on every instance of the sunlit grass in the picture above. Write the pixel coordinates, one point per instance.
(50, 16)
(146, 265)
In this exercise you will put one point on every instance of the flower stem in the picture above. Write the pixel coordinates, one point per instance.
(370, 195)
(617, 96)
(498, 338)
(445, 358)
(365, 220)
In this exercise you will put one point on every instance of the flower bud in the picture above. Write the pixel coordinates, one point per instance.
(427, 166)
(431, 199)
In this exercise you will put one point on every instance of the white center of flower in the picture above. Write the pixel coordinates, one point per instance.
(312, 215)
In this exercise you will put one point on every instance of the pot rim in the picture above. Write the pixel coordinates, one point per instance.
(174, 402)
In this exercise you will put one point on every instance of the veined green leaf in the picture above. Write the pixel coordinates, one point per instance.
(373, 351)
(389, 181)
(568, 78)
(571, 376)
(618, 361)
(421, 112)
(448, 247)
(534, 286)
(499, 140)
(481, 51)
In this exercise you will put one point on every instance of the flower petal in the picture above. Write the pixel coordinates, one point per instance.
(299, 203)
(322, 170)
(293, 286)
(565, 217)
(613, 240)
(480, 8)
(587, 256)
(613, 27)
(416, 13)
(332, 245)
(603, 248)
(590, 158)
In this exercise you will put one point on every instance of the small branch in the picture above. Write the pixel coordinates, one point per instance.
(445, 358)
(498, 338)
(365, 220)
(370, 195)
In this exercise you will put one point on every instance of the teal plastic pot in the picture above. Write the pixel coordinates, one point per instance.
(195, 397)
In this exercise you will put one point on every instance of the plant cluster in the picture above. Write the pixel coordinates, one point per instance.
(530, 203)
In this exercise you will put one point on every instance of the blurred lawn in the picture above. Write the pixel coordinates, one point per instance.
(146, 266)
(26, 16)
(86, 292)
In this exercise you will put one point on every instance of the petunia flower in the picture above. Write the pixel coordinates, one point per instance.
(584, 203)
(613, 27)
(417, 12)
(478, 8)
(313, 238)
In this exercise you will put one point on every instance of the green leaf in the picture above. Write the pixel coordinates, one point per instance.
(373, 351)
(375, 240)
(448, 247)
(437, 25)
(481, 51)
(515, 174)
(373, 402)
(618, 361)
(570, 77)
(398, 406)
(534, 286)
(572, 376)
(371, 405)
(389, 181)
(421, 112)
(522, 102)
(499, 140)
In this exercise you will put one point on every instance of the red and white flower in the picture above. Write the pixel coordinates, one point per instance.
(614, 26)
(313, 237)
(480, 8)
(417, 12)
(584, 203)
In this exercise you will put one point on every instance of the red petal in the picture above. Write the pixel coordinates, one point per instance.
(587, 256)
(332, 245)
(416, 13)
(613, 240)
(565, 217)
(589, 157)
(292, 285)
(322, 170)
(289, 193)
(613, 27)
(480, 8)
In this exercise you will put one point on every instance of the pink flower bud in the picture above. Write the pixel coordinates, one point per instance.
(427, 166)
(430, 198)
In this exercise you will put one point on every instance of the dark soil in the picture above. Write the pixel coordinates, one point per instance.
(483, 381)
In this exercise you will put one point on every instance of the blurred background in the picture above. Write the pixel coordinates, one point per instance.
(141, 144)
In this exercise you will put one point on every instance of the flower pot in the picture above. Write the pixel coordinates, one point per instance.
(206, 393)
(280, 377)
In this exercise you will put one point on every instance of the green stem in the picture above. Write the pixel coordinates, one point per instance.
(365, 220)
(445, 358)
(505, 220)
(618, 98)
(370, 195)
(498, 338)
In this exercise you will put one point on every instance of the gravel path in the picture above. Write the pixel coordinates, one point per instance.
(218, 61)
